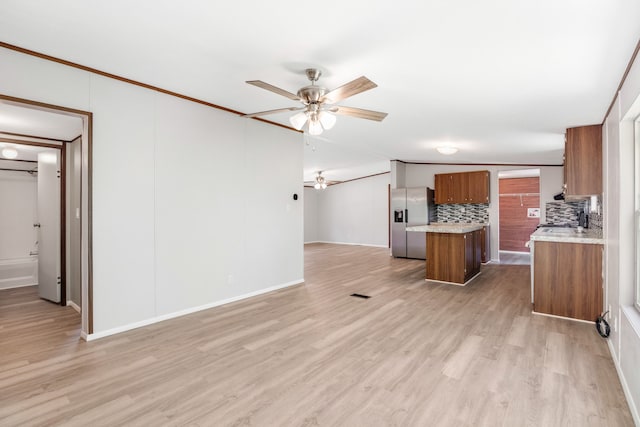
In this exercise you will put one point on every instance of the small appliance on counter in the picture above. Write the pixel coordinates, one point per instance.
(410, 206)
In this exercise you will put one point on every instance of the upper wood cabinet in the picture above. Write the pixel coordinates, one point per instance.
(583, 161)
(443, 190)
(462, 187)
(478, 187)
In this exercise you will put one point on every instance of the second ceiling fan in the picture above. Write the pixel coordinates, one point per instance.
(319, 103)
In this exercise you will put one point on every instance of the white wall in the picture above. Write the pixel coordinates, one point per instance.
(618, 202)
(354, 212)
(18, 213)
(418, 175)
(311, 216)
(188, 208)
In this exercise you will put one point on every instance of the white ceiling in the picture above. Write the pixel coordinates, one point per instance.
(38, 123)
(499, 79)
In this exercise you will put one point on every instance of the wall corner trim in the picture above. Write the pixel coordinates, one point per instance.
(73, 305)
(180, 313)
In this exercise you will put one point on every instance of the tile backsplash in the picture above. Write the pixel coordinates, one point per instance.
(564, 212)
(463, 213)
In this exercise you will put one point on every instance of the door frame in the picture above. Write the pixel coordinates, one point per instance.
(86, 262)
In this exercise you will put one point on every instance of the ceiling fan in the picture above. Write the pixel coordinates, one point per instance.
(320, 182)
(319, 103)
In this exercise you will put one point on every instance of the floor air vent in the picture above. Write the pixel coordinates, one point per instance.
(360, 296)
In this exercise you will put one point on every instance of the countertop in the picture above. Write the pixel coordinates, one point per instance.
(567, 235)
(447, 227)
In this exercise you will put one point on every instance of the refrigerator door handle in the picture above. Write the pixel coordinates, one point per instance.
(406, 216)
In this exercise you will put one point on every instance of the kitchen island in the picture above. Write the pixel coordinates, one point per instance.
(566, 272)
(454, 251)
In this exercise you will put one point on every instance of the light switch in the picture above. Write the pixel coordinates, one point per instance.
(77, 213)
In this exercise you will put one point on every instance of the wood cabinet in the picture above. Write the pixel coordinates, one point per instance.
(453, 257)
(583, 161)
(478, 188)
(485, 247)
(443, 190)
(462, 187)
(567, 279)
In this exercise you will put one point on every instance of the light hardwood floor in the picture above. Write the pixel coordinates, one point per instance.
(416, 353)
(515, 258)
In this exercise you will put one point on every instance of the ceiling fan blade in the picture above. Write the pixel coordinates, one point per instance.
(359, 112)
(274, 89)
(279, 110)
(354, 87)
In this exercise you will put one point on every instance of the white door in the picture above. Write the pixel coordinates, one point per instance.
(49, 231)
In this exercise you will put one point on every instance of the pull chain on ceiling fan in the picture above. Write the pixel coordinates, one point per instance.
(318, 104)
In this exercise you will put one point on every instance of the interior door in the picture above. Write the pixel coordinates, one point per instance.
(49, 230)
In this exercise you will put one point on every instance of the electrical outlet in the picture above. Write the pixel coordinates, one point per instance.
(463, 209)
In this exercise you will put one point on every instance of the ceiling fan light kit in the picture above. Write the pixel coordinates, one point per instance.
(327, 120)
(320, 183)
(318, 103)
(298, 120)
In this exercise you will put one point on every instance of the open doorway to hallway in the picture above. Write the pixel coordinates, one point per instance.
(519, 194)
(44, 181)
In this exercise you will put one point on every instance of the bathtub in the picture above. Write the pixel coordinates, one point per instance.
(18, 272)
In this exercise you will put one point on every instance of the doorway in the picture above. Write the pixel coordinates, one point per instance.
(53, 145)
(519, 213)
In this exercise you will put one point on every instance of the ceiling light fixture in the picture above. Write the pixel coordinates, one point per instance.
(447, 150)
(321, 183)
(9, 153)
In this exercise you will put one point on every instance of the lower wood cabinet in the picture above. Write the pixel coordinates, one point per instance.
(453, 257)
(567, 279)
(485, 248)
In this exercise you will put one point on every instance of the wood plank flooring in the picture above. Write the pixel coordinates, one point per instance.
(515, 258)
(416, 353)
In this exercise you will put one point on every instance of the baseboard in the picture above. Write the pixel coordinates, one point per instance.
(22, 285)
(516, 252)
(157, 319)
(73, 305)
(351, 244)
(625, 387)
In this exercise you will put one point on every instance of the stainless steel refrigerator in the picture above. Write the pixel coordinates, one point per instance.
(410, 206)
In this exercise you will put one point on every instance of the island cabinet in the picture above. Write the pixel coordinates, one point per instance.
(453, 257)
(462, 187)
(567, 279)
(583, 161)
